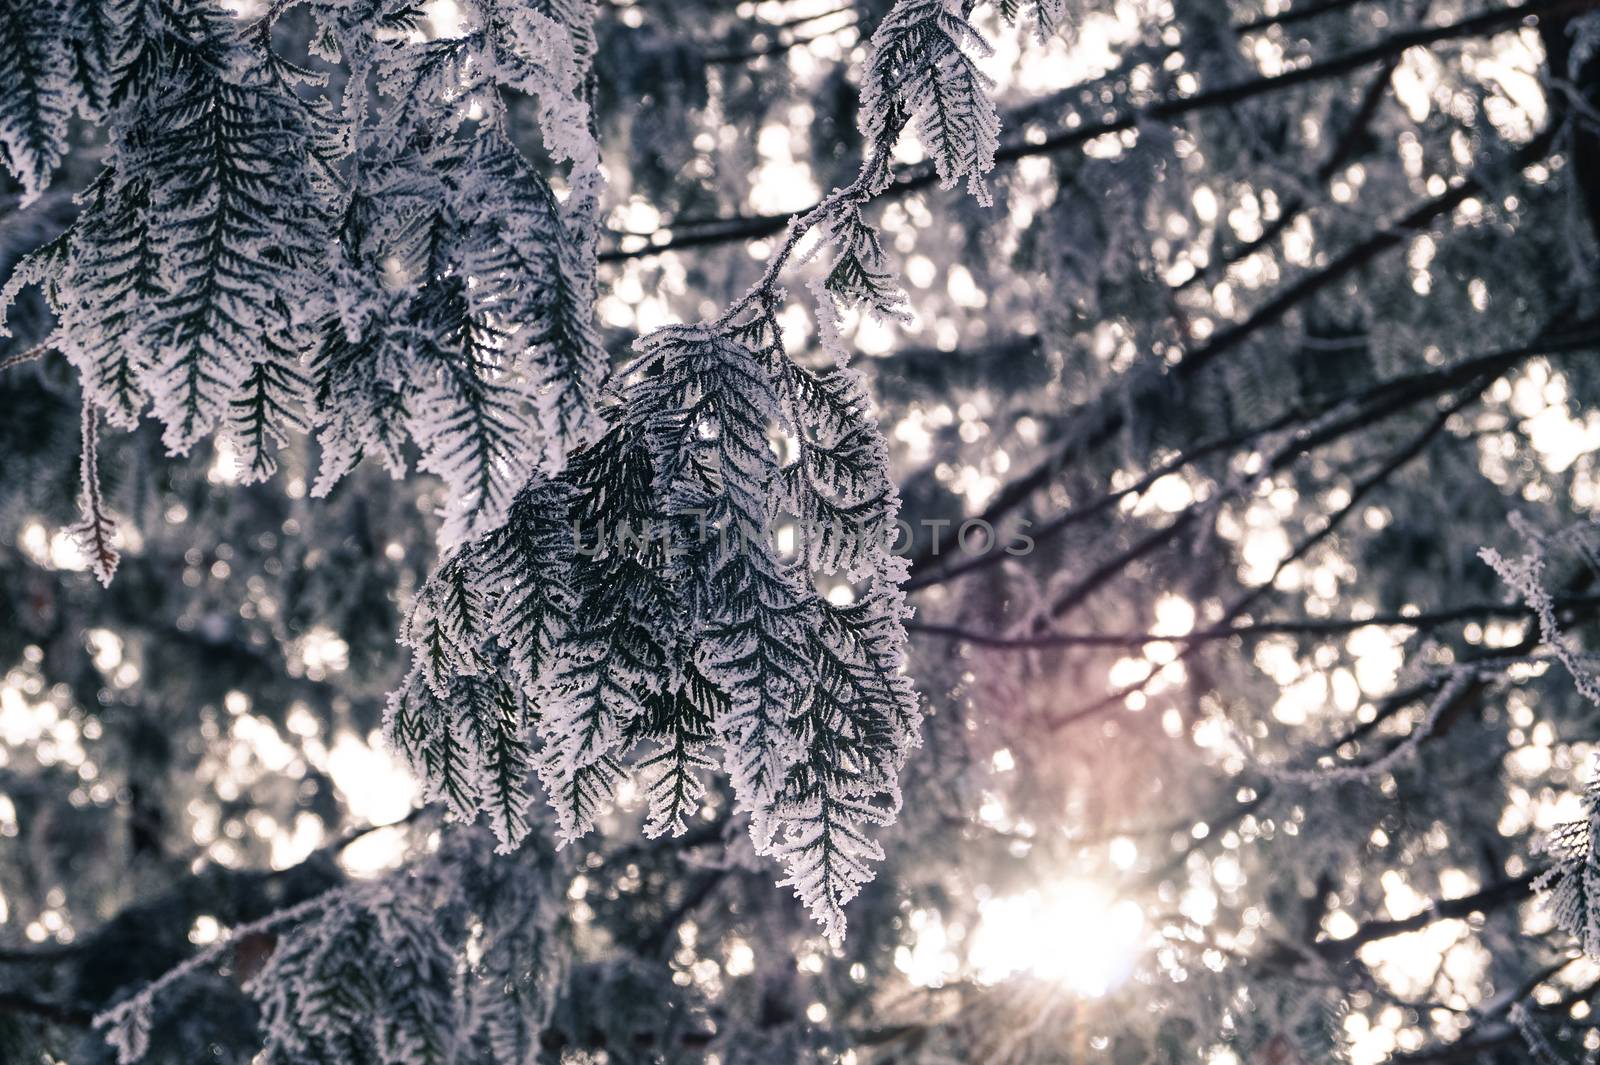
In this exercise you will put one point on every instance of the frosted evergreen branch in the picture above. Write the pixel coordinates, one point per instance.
(807, 691)
(95, 530)
(1570, 884)
(432, 290)
(1525, 576)
(127, 1024)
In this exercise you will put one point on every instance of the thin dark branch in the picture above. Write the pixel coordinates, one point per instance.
(1297, 13)
(1568, 606)
(261, 28)
(781, 46)
(38, 351)
(803, 20)
(1394, 702)
(354, 834)
(1485, 901)
(921, 176)
(1248, 631)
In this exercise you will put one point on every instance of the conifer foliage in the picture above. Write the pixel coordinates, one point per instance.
(1574, 879)
(372, 973)
(37, 92)
(1229, 749)
(372, 258)
(636, 599)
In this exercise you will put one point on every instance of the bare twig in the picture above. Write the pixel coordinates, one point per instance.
(38, 351)
(1246, 631)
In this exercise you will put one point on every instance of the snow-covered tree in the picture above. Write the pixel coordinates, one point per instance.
(1012, 474)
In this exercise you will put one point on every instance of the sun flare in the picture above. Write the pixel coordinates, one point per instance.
(1074, 933)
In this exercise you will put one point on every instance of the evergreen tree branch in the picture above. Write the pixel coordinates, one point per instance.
(95, 530)
(1490, 1032)
(127, 1023)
